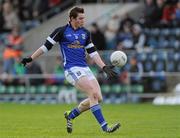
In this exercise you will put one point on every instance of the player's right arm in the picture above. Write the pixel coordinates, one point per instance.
(53, 38)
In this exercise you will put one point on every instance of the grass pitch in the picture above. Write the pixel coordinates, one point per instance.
(47, 121)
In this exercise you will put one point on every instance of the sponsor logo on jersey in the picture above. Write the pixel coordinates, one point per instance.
(75, 44)
(76, 36)
(68, 35)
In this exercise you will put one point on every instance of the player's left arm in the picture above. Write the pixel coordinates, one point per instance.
(98, 60)
(91, 50)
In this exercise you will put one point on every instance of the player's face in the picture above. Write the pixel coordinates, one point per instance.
(80, 19)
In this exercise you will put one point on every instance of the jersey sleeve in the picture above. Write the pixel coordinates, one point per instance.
(54, 37)
(88, 40)
(90, 48)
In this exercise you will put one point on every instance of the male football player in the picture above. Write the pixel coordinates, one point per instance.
(75, 41)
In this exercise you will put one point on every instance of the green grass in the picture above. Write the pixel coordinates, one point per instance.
(47, 121)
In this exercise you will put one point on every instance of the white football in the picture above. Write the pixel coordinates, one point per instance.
(118, 58)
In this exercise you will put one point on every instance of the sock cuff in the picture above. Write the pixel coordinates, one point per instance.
(95, 107)
(77, 110)
(74, 113)
(103, 124)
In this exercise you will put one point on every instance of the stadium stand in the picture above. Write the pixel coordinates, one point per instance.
(153, 56)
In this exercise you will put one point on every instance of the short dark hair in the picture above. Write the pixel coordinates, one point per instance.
(74, 12)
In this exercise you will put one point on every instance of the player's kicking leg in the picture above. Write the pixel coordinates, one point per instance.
(84, 106)
(69, 127)
(92, 89)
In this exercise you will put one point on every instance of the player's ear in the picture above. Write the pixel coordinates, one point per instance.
(72, 18)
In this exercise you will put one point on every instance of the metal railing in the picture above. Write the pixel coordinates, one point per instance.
(28, 77)
(51, 96)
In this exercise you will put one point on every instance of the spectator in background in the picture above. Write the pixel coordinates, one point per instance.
(16, 40)
(98, 37)
(13, 49)
(124, 34)
(10, 17)
(58, 67)
(18, 67)
(125, 38)
(149, 9)
(19, 70)
(158, 12)
(111, 31)
(123, 77)
(53, 3)
(58, 73)
(139, 38)
(34, 68)
(26, 9)
(171, 1)
(25, 12)
(177, 13)
(23, 8)
(39, 7)
(136, 67)
(127, 20)
(1, 19)
(168, 14)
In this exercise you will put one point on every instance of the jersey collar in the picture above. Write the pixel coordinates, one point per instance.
(69, 24)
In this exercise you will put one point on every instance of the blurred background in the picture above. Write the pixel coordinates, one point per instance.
(148, 31)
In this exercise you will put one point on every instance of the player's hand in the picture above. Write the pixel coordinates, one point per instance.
(109, 71)
(26, 60)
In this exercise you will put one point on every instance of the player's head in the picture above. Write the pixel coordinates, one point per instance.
(77, 16)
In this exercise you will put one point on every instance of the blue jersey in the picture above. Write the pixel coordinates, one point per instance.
(73, 44)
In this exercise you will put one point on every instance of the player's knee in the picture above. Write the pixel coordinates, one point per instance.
(94, 96)
(89, 89)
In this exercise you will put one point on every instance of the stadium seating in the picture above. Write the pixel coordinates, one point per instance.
(53, 89)
(20, 89)
(161, 55)
(2, 89)
(42, 89)
(32, 89)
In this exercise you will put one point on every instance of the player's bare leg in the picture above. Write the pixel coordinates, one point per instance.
(92, 89)
(85, 104)
(82, 107)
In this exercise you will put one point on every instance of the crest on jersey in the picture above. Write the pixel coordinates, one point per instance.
(83, 36)
(76, 36)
